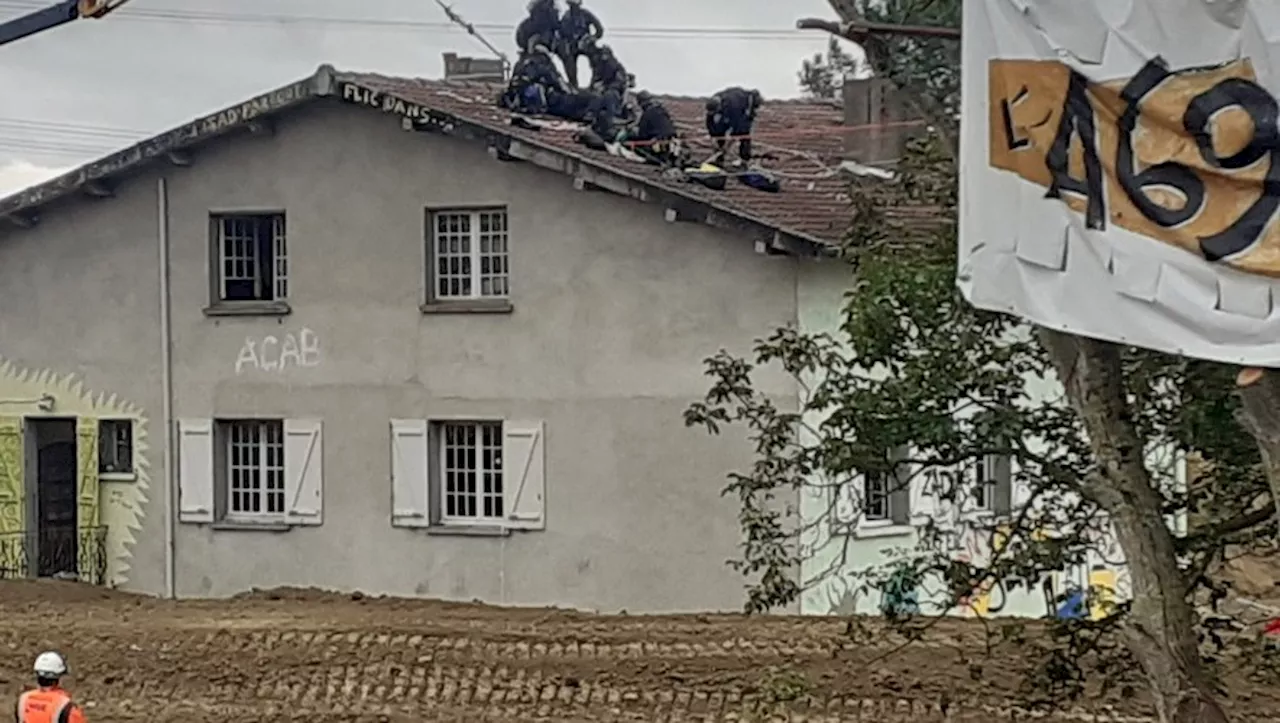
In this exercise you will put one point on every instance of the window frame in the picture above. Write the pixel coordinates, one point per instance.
(438, 473)
(131, 472)
(476, 300)
(984, 496)
(895, 483)
(281, 286)
(224, 439)
(880, 480)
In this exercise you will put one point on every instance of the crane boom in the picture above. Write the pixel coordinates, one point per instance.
(53, 16)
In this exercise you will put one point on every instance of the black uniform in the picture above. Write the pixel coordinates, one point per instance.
(604, 113)
(579, 29)
(654, 131)
(574, 105)
(732, 112)
(539, 27)
(606, 72)
(534, 84)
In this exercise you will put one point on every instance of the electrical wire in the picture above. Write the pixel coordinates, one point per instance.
(58, 138)
(56, 149)
(71, 140)
(40, 127)
(194, 17)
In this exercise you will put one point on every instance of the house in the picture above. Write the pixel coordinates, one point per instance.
(360, 332)
(855, 533)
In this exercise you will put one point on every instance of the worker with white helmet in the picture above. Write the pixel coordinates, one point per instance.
(49, 702)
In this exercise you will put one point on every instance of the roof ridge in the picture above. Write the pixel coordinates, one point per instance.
(796, 135)
(419, 80)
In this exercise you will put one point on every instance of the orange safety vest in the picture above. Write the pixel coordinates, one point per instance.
(48, 705)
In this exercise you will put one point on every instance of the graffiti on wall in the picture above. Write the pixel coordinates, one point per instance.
(116, 504)
(1088, 589)
(272, 353)
(989, 596)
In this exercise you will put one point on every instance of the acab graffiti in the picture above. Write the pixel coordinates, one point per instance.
(272, 353)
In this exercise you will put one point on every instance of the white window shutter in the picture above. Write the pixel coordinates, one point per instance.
(524, 475)
(195, 470)
(304, 471)
(410, 474)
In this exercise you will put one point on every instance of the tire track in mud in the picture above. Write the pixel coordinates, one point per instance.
(343, 675)
(350, 672)
(338, 658)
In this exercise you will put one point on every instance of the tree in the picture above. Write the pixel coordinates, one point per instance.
(914, 367)
(822, 76)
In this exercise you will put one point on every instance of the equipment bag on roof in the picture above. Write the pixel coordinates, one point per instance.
(760, 180)
(707, 175)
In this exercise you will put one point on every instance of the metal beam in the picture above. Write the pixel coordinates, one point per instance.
(858, 30)
(38, 21)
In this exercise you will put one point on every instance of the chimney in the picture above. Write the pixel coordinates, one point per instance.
(481, 70)
(875, 108)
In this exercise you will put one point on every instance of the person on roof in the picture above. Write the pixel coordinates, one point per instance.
(49, 702)
(606, 72)
(655, 132)
(604, 113)
(731, 114)
(540, 26)
(535, 83)
(579, 30)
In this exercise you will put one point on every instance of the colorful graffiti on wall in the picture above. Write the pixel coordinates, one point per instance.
(117, 503)
(1097, 583)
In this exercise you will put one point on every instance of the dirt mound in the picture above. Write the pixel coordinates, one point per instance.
(17, 592)
(1253, 576)
(297, 594)
(323, 656)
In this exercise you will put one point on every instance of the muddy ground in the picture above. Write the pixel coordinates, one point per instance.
(305, 655)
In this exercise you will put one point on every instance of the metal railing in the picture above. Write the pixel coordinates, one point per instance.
(70, 553)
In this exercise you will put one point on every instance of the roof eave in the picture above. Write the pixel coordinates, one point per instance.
(589, 174)
(94, 178)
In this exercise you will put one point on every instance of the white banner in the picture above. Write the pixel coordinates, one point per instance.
(1120, 170)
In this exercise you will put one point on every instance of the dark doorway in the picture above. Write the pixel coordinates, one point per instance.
(56, 538)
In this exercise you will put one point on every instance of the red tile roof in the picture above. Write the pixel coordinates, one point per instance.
(804, 138)
(799, 140)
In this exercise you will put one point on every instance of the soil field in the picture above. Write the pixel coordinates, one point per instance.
(303, 655)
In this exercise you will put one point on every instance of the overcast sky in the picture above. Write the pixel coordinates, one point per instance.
(77, 91)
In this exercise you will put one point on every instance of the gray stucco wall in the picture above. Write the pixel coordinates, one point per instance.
(614, 311)
(81, 296)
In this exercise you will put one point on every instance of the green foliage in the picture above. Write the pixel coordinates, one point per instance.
(913, 365)
(930, 67)
(822, 76)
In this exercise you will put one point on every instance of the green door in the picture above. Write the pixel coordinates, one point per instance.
(13, 548)
(89, 505)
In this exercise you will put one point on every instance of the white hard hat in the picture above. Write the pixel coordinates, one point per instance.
(50, 665)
